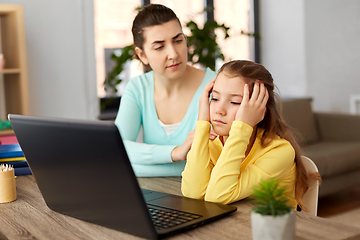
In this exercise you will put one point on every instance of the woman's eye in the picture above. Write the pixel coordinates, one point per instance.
(235, 103)
(214, 99)
(159, 48)
(179, 41)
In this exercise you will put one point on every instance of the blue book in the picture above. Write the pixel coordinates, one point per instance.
(16, 164)
(22, 171)
(10, 151)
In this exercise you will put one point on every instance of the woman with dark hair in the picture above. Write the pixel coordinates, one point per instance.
(164, 101)
(254, 142)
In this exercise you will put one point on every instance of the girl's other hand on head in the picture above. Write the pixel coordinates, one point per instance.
(252, 110)
(204, 105)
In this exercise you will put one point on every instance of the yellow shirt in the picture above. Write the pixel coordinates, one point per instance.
(218, 173)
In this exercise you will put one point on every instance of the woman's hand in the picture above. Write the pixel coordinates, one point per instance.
(213, 134)
(252, 110)
(204, 105)
(179, 153)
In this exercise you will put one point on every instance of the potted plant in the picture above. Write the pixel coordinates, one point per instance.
(203, 48)
(272, 218)
(113, 79)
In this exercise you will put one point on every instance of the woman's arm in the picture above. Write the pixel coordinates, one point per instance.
(128, 121)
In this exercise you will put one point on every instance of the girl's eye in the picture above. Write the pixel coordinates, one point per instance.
(179, 41)
(214, 99)
(235, 103)
(159, 48)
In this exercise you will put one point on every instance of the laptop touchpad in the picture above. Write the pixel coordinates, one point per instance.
(149, 195)
(181, 203)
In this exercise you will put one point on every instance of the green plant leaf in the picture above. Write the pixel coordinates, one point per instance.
(269, 198)
(112, 79)
(202, 44)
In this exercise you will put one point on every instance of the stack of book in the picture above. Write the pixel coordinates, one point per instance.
(12, 154)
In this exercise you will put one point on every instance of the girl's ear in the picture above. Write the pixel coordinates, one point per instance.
(141, 54)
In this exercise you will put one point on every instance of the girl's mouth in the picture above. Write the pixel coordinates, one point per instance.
(218, 122)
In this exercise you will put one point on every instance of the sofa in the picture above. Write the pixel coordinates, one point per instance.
(331, 140)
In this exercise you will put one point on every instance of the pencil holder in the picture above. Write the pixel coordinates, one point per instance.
(7, 186)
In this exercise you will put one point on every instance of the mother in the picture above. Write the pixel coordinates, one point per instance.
(163, 101)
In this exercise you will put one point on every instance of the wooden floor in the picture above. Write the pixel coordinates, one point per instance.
(339, 203)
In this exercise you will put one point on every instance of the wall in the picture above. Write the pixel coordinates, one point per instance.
(283, 44)
(333, 52)
(312, 48)
(60, 57)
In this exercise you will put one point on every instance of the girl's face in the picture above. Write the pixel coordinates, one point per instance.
(164, 49)
(227, 95)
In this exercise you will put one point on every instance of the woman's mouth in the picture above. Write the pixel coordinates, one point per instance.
(173, 66)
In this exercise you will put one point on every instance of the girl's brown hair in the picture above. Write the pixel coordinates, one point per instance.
(273, 122)
(148, 16)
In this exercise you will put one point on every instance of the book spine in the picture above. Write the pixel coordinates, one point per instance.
(11, 154)
(16, 164)
(12, 159)
(22, 171)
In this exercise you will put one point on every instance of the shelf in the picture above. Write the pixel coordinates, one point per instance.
(14, 96)
(10, 71)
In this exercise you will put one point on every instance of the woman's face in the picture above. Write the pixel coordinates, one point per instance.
(165, 49)
(227, 95)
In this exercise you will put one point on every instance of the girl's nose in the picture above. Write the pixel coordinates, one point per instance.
(220, 109)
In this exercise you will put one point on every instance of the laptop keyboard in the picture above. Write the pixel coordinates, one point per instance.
(164, 218)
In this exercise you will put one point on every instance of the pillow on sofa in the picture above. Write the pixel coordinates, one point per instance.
(298, 114)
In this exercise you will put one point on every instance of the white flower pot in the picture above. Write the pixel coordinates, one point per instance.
(265, 227)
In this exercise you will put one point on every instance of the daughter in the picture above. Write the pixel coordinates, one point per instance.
(253, 144)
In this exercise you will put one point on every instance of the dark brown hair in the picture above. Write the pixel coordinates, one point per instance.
(148, 16)
(273, 122)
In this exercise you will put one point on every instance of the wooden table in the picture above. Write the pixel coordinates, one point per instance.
(29, 218)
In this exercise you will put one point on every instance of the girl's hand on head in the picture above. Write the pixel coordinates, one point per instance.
(204, 105)
(252, 110)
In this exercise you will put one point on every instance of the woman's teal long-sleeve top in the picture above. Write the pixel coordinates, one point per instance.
(153, 157)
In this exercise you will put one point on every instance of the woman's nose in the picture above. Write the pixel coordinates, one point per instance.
(172, 52)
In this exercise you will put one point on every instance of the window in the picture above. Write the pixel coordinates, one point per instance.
(113, 20)
(234, 14)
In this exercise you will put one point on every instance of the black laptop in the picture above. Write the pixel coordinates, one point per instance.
(82, 170)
